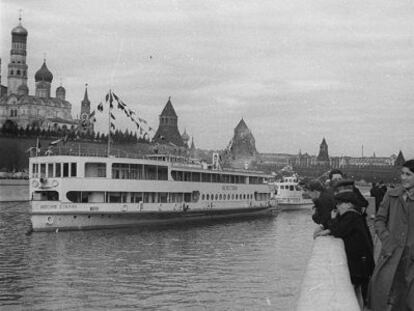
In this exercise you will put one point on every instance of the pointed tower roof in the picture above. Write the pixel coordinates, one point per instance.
(241, 126)
(167, 131)
(43, 74)
(85, 97)
(168, 110)
(323, 141)
(400, 159)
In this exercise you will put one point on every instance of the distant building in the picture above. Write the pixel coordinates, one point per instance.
(276, 160)
(323, 156)
(185, 137)
(18, 109)
(241, 151)
(399, 161)
(167, 132)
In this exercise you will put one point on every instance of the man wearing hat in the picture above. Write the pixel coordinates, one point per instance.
(323, 200)
(342, 185)
(350, 226)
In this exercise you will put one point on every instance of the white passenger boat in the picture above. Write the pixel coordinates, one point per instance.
(289, 195)
(87, 192)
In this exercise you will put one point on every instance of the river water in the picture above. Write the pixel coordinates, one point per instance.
(254, 264)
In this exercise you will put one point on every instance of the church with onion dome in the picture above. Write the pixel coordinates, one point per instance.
(43, 110)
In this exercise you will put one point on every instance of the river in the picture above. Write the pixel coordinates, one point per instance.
(254, 264)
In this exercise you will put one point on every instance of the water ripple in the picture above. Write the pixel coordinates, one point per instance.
(254, 264)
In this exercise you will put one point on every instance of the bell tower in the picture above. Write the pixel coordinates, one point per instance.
(17, 68)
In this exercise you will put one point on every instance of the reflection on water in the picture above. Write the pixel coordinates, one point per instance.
(255, 264)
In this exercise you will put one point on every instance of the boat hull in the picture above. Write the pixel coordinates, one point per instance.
(84, 221)
(295, 205)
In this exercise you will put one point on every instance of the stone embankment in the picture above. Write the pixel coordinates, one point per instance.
(327, 284)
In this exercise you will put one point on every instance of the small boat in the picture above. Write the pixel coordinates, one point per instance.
(289, 194)
(85, 191)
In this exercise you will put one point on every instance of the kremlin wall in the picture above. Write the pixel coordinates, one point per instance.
(26, 118)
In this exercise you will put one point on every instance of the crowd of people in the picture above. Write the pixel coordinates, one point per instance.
(340, 210)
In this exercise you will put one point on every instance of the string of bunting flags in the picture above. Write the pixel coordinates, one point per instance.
(111, 98)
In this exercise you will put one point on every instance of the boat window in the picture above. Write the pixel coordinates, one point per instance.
(74, 196)
(220, 196)
(178, 176)
(187, 197)
(202, 197)
(65, 169)
(95, 169)
(114, 197)
(212, 196)
(163, 197)
(150, 172)
(58, 172)
(162, 173)
(196, 176)
(205, 177)
(195, 196)
(208, 197)
(42, 170)
(35, 169)
(291, 188)
(120, 171)
(50, 170)
(73, 170)
(136, 197)
(45, 196)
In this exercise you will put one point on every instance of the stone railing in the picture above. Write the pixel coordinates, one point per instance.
(327, 284)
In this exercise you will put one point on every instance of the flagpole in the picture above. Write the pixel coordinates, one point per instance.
(109, 127)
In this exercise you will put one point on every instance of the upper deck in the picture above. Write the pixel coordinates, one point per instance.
(71, 163)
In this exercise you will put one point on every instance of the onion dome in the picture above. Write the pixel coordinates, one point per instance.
(19, 30)
(60, 92)
(43, 74)
(60, 89)
(185, 136)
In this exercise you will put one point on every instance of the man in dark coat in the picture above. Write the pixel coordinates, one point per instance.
(324, 202)
(392, 284)
(350, 226)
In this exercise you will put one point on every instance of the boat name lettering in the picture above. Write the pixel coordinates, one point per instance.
(229, 188)
(48, 206)
(94, 208)
(68, 206)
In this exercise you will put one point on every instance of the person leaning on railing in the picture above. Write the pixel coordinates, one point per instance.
(349, 225)
(324, 202)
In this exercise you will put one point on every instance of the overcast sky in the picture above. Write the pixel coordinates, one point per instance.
(296, 70)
